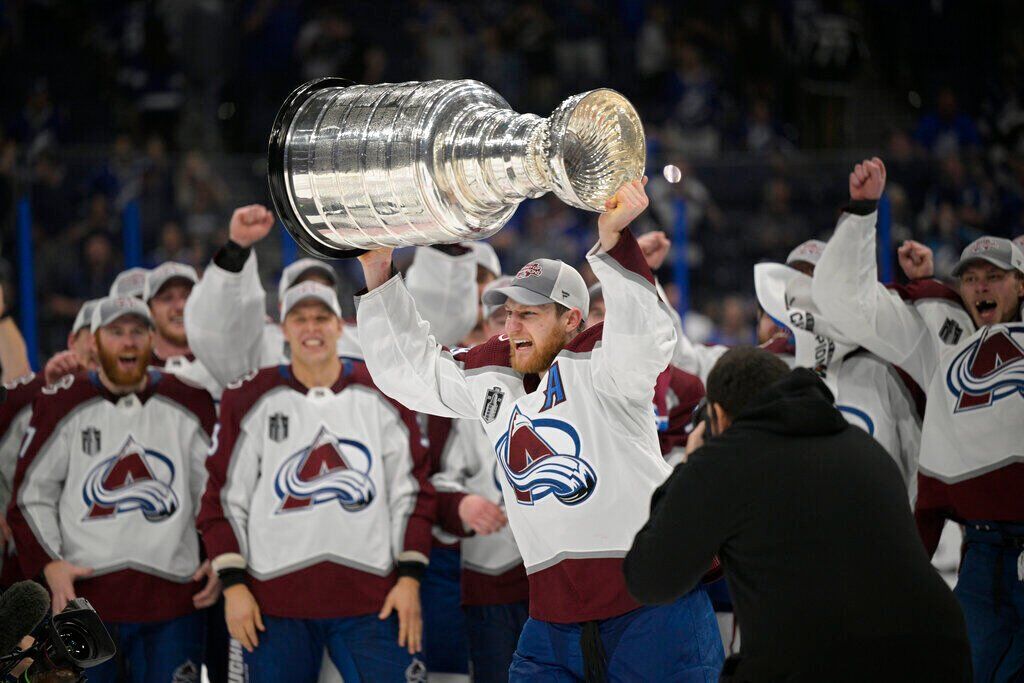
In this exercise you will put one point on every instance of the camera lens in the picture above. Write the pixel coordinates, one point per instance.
(77, 641)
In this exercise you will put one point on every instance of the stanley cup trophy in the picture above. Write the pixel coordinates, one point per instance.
(356, 167)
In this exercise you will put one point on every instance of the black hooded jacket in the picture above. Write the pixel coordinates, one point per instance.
(810, 518)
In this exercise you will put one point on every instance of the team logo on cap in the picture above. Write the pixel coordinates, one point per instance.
(135, 479)
(330, 469)
(529, 270)
(541, 458)
(983, 244)
(988, 369)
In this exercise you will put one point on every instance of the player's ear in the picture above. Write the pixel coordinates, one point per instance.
(575, 319)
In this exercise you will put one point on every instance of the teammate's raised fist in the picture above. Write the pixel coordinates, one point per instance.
(916, 260)
(867, 180)
(655, 247)
(628, 203)
(250, 224)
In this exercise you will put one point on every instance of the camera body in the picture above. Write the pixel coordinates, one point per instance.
(76, 639)
(69, 642)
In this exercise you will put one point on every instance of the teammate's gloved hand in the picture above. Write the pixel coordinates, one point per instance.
(376, 265)
(60, 577)
(867, 181)
(916, 260)
(250, 224)
(481, 515)
(63, 363)
(655, 247)
(242, 614)
(404, 598)
(628, 203)
(211, 591)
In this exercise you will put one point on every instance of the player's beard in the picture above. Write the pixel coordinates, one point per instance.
(544, 352)
(113, 371)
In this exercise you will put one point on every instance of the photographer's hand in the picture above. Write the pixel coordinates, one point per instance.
(60, 577)
(404, 598)
(695, 440)
(211, 591)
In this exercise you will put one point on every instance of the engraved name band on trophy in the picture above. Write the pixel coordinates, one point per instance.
(355, 167)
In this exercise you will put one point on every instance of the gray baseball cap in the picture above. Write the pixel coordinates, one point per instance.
(164, 273)
(131, 282)
(503, 281)
(304, 291)
(84, 318)
(544, 281)
(1000, 252)
(808, 252)
(107, 310)
(291, 274)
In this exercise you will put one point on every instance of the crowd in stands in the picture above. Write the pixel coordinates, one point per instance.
(164, 108)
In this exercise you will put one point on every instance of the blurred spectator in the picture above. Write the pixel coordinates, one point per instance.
(442, 42)
(52, 198)
(38, 123)
(947, 130)
(777, 227)
(694, 104)
(970, 200)
(328, 45)
(735, 323)
(175, 246)
(580, 50)
(762, 134)
(156, 195)
(88, 278)
(905, 167)
(201, 196)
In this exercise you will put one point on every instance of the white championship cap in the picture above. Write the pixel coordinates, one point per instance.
(84, 318)
(164, 273)
(304, 291)
(131, 282)
(112, 308)
(292, 274)
(808, 252)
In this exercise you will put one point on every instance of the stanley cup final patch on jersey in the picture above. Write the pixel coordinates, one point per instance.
(91, 441)
(277, 427)
(492, 404)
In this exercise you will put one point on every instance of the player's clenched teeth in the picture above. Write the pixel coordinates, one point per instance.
(522, 343)
(313, 343)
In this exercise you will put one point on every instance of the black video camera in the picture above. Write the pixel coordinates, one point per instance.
(71, 641)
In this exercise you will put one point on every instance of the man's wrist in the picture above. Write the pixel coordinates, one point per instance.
(232, 256)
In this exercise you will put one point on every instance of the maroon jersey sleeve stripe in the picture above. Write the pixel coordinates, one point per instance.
(218, 535)
(49, 410)
(628, 254)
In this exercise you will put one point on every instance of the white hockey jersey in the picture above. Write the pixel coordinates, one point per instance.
(318, 493)
(191, 370)
(492, 568)
(225, 317)
(577, 447)
(972, 439)
(113, 483)
(15, 414)
(868, 391)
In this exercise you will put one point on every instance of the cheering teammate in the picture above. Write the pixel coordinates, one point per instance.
(317, 514)
(967, 350)
(106, 492)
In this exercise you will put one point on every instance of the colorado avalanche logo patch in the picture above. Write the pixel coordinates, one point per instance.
(989, 369)
(542, 457)
(137, 478)
(329, 469)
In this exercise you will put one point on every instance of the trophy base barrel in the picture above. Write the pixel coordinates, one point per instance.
(276, 176)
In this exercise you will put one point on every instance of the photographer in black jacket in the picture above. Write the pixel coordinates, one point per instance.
(809, 517)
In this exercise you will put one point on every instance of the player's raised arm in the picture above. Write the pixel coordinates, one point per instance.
(638, 336)
(405, 360)
(847, 290)
(224, 316)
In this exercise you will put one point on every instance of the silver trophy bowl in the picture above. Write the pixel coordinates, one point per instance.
(356, 167)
